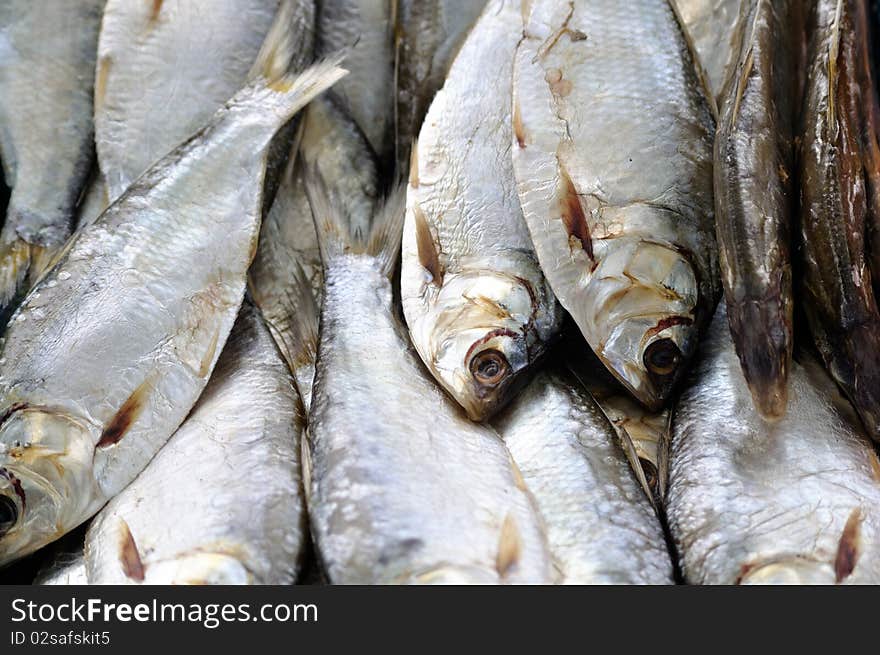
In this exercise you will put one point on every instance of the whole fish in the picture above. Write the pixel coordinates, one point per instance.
(612, 152)
(754, 167)
(600, 526)
(47, 72)
(404, 488)
(109, 352)
(836, 201)
(366, 29)
(794, 501)
(230, 476)
(156, 86)
(428, 35)
(288, 248)
(715, 29)
(479, 310)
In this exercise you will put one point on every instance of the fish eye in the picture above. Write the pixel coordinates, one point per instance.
(489, 367)
(662, 357)
(8, 514)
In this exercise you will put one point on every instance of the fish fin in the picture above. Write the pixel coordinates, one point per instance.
(387, 228)
(848, 547)
(334, 238)
(429, 257)
(281, 52)
(129, 557)
(509, 547)
(305, 320)
(15, 264)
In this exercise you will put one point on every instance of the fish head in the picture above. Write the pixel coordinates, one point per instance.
(643, 303)
(46, 480)
(479, 337)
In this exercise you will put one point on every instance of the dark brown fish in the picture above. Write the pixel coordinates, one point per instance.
(754, 162)
(837, 205)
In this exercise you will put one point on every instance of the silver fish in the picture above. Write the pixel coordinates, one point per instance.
(479, 310)
(156, 85)
(612, 152)
(428, 34)
(230, 476)
(750, 502)
(47, 69)
(366, 29)
(404, 488)
(109, 352)
(600, 526)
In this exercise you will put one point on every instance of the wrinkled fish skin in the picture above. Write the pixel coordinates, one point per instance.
(404, 488)
(754, 167)
(479, 310)
(428, 35)
(111, 349)
(288, 248)
(230, 475)
(715, 29)
(155, 85)
(612, 152)
(47, 68)
(835, 200)
(366, 29)
(795, 501)
(600, 526)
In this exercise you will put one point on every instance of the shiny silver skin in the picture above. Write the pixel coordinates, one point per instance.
(47, 69)
(164, 68)
(230, 476)
(600, 525)
(288, 248)
(404, 488)
(479, 310)
(365, 29)
(796, 501)
(612, 152)
(715, 29)
(429, 34)
(108, 353)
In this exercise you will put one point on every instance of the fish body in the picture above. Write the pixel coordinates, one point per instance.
(612, 152)
(108, 353)
(429, 35)
(365, 28)
(600, 525)
(47, 70)
(404, 488)
(754, 168)
(155, 85)
(479, 310)
(230, 475)
(836, 205)
(795, 501)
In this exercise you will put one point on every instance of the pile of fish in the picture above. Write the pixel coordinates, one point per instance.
(440, 291)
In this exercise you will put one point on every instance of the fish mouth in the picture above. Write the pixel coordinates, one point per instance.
(764, 353)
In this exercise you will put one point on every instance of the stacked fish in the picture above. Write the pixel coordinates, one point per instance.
(452, 317)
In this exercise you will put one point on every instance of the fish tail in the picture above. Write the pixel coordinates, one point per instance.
(304, 321)
(286, 47)
(335, 238)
